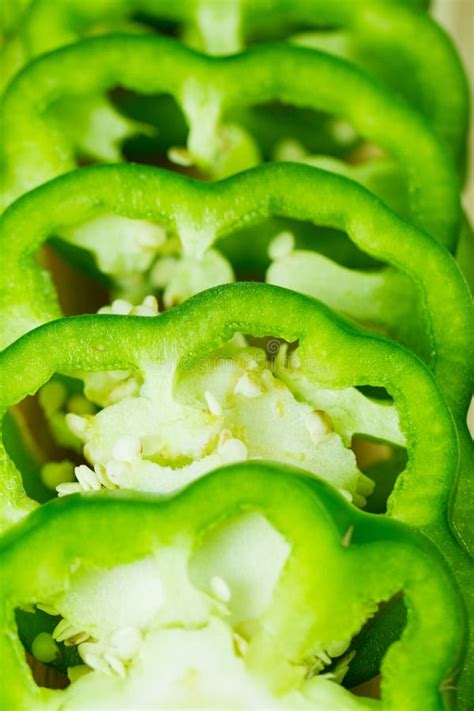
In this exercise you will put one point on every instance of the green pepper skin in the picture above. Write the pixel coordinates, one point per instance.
(333, 352)
(336, 353)
(440, 328)
(391, 39)
(35, 151)
(26, 458)
(364, 555)
(437, 320)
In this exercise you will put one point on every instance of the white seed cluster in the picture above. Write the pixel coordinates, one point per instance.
(70, 635)
(324, 656)
(87, 480)
(230, 448)
(126, 452)
(220, 589)
(115, 655)
(213, 404)
(121, 307)
(78, 425)
(110, 656)
(180, 155)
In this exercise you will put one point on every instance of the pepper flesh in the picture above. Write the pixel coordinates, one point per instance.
(439, 328)
(210, 211)
(218, 85)
(355, 31)
(349, 549)
(90, 343)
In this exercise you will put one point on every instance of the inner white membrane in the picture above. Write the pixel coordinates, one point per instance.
(174, 629)
(162, 428)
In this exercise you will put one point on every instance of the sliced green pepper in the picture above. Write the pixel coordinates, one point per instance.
(436, 320)
(326, 569)
(34, 150)
(169, 326)
(201, 324)
(332, 354)
(456, 390)
(442, 332)
(391, 39)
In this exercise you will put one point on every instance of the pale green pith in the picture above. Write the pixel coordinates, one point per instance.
(191, 611)
(139, 256)
(162, 429)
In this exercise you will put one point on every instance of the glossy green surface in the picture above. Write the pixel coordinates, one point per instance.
(325, 534)
(207, 88)
(396, 42)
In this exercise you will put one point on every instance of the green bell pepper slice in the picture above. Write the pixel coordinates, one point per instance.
(333, 354)
(201, 325)
(436, 319)
(337, 564)
(366, 32)
(35, 151)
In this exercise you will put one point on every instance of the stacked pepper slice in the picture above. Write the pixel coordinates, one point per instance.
(137, 596)
(436, 319)
(166, 348)
(320, 562)
(437, 88)
(208, 88)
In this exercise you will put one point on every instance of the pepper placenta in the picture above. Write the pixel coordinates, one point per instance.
(319, 554)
